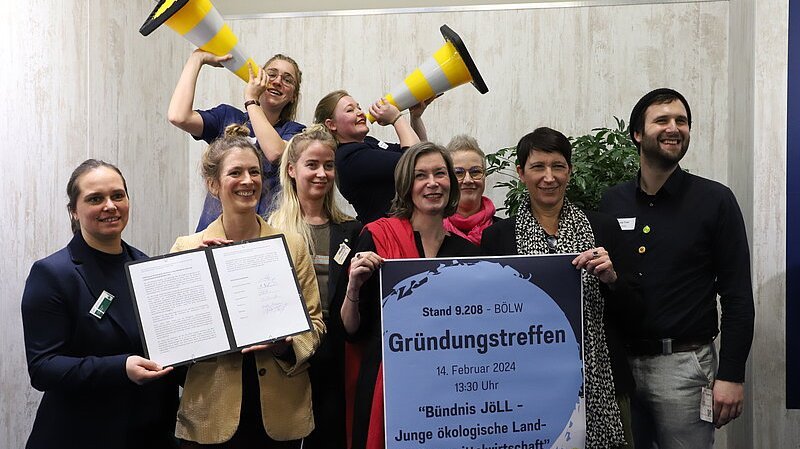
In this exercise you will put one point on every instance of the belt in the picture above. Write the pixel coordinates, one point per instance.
(666, 346)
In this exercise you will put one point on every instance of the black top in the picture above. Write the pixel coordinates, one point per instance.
(689, 245)
(499, 239)
(78, 360)
(365, 175)
(370, 330)
(326, 369)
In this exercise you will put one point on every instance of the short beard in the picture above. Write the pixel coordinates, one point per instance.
(651, 150)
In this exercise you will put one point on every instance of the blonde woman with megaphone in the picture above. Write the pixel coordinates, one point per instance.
(270, 103)
(365, 165)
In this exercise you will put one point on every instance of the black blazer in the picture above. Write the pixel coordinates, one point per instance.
(327, 365)
(499, 240)
(78, 361)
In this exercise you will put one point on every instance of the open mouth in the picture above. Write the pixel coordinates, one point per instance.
(275, 92)
(109, 219)
(246, 193)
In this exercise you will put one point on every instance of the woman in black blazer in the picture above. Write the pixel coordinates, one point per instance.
(307, 206)
(81, 338)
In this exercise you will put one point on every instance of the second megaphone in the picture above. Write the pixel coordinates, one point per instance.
(449, 67)
(200, 23)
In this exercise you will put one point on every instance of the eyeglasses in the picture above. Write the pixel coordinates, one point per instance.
(286, 79)
(552, 242)
(475, 173)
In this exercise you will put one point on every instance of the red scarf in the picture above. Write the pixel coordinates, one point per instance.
(471, 228)
(394, 239)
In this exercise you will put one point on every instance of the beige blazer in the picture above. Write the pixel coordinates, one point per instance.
(212, 395)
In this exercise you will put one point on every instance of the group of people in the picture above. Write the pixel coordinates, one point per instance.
(653, 262)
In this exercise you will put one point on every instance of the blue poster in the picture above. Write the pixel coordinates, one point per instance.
(483, 353)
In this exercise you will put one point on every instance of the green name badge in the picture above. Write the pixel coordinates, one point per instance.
(101, 305)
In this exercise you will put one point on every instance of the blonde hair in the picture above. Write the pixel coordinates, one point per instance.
(236, 137)
(463, 142)
(288, 216)
(290, 110)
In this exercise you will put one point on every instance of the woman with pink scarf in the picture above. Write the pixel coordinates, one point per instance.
(475, 211)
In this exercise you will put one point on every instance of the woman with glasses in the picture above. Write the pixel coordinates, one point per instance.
(270, 105)
(550, 224)
(475, 211)
(425, 195)
(364, 164)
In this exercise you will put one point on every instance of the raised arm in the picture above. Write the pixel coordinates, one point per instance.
(415, 117)
(181, 112)
(386, 113)
(271, 143)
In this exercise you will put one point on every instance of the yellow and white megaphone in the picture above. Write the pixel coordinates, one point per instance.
(201, 23)
(451, 66)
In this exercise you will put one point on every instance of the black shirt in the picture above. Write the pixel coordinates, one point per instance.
(688, 244)
(365, 176)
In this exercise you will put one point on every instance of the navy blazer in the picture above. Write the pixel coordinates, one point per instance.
(78, 361)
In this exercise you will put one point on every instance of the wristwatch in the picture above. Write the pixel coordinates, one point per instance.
(249, 102)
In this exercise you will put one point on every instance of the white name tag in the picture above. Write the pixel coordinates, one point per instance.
(341, 254)
(383, 144)
(706, 405)
(627, 224)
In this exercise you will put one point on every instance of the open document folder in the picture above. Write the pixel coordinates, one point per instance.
(211, 301)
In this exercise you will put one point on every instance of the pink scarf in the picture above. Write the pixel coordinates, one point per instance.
(471, 228)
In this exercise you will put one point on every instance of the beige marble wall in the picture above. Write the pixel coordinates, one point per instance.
(773, 425)
(80, 82)
(85, 83)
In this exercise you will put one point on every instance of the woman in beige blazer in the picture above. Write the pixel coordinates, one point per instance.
(261, 397)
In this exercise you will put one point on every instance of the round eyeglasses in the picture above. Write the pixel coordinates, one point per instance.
(475, 173)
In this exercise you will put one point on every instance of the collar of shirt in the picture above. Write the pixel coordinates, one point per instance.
(672, 187)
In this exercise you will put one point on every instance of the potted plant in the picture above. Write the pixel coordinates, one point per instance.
(600, 159)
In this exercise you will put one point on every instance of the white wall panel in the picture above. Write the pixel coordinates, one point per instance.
(80, 82)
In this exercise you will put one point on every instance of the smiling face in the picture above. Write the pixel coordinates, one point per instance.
(281, 85)
(348, 124)
(469, 163)
(314, 171)
(665, 137)
(239, 185)
(431, 189)
(102, 205)
(546, 176)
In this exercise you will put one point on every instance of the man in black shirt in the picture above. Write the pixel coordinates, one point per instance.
(686, 238)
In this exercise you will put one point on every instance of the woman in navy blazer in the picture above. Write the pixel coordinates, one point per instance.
(81, 337)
